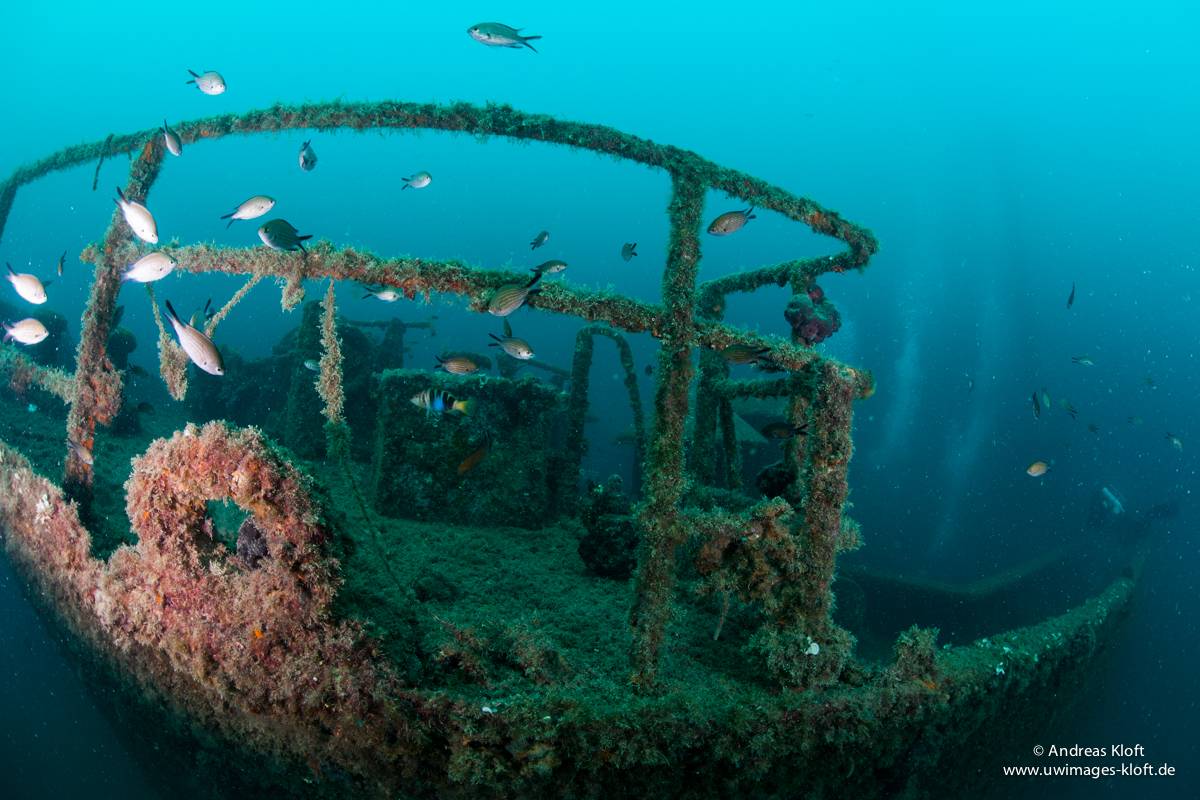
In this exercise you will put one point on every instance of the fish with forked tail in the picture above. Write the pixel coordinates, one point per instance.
(138, 218)
(198, 347)
(731, 222)
(279, 234)
(308, 157)
(26, 331)
(517, 348)
(508, 298)
(210, 83)
(497, 34)
(172, 141)
(28, 286)
(253, 208)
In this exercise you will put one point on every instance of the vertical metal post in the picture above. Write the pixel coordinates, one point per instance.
(662, 527)
(97, 384)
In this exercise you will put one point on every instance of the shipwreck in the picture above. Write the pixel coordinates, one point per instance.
(728, 668)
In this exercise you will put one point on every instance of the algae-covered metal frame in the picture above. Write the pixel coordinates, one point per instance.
(821, 388)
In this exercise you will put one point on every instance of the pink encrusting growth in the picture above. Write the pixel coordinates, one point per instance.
(303, 684)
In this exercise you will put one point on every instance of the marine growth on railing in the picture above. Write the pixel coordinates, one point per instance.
(800, 534)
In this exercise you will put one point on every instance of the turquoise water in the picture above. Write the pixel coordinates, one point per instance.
(999, 153)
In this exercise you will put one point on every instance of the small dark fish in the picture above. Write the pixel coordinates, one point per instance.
(145, 408)
(308, 157)
(204, 314)
(550, 267)
(629, 250)
(743, 353)
(731, 222)
(784, 430)
(1071, 297)
(1037, 406)
(510, 297)
(134, 369)
(279, 234)
(457, 365)
(477, 455)
(539, 240)
(62, 261)
(1093, 428)
(649, 369)
(1070, 409)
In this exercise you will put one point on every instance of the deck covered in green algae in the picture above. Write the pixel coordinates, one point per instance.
(504, 627)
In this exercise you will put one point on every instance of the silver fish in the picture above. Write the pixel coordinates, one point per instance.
(628, 250)
(253, 208)
(308, 156)
(82, 453)
(418, 181)
(279, 234)
(731, 222)
(28, 286)
(27, 331)
(510, 297)
(138, 218)
(171, 140)
(149, 268)
(496, 34)
(550, 267)
(62, 262)
(210, 82)
(517, 348)
(313, 365)
(539, 240)
(199, 348)
(386, 295)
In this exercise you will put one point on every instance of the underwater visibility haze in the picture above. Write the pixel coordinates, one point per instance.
(795, 400)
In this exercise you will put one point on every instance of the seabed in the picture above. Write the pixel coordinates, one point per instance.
(294, 604)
